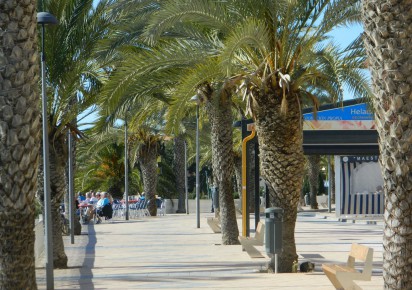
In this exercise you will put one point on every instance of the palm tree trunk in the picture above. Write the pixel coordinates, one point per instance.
(238, 173)
(220, 116)
(57, 163)
(148, 165)
(313, 171)
(250, 184)
(77, 225)
(19, 142)
(179, 169)
(282, 164)
(388, 44)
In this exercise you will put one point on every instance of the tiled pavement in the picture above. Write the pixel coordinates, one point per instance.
(169, 252)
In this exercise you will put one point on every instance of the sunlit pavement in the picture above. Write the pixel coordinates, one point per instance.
(169, 252)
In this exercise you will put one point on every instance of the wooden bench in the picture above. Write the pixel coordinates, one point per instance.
(343, 276)
(248, 243)
(214, 224)
(252, 251)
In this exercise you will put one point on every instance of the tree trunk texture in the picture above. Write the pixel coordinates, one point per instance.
(57, 163)
(238, 174)
(19, 142)
(220, 116)
(77, 224)
(313, 171)
(148, 165)
(302, 195)
(388, 41)
(332, 183)
(179, 167)
(250, 168)
(282, 164)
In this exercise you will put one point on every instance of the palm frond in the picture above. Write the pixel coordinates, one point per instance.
(205, 13)
(250, 35)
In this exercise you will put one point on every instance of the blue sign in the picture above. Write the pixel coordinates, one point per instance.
(350, 113)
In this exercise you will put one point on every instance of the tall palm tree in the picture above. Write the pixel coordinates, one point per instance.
(19, 143)
(72, 75)
(388, 44)
(160, 68)
(279, 50)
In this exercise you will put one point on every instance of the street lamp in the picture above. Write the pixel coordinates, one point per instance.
(45, 18)
(196, 99)
(71, 185)
(126, 169)
(186, 188)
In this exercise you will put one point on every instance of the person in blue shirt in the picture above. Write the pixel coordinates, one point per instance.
(101, 204)
(103, 200)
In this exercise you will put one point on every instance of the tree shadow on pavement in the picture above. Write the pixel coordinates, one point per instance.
(86, 274)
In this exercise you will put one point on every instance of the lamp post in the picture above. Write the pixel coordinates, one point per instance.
(196, 99)
(71, 186)
(45, 18)
(126, 169)
(329, 185)
(186, 188)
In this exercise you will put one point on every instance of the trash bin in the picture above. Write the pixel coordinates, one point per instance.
(273, 230)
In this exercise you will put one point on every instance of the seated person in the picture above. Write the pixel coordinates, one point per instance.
(104, 208)
(91, 210)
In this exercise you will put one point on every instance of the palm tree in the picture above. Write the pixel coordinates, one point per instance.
(73, 81)
(108, 169)
(146, 145)
(282, 60)
(275, 53)
(101, 164)
(159, 69)
(19, 143)
(388, 45)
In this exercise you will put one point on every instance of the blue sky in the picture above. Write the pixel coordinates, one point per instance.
(345, 35)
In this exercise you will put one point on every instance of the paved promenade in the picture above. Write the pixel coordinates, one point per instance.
(169, 252)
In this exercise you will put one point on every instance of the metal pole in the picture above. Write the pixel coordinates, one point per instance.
(197, 168)
(257, 183)
(186, 190)
(71, 193)
(329, 185)
(46, 174)
(276, 263)
(126, 169)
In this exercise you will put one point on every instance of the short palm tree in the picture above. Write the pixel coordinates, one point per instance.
(146, 145)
